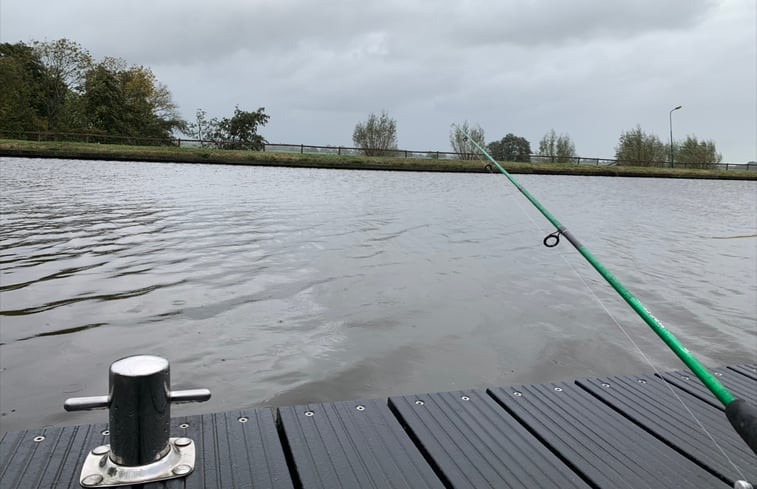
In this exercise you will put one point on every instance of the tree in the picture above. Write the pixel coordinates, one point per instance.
(460, 142)
(127, 101)
(103, 101)
(376, 136)
(202, 127)
(558, 149)
(21, 95)
(56, 86)
(239, 132)
(149, 107)
(511, 148)
(700, 153)
(65, 64)
(636, 147)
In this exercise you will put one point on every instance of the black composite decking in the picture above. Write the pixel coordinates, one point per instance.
(618, 432)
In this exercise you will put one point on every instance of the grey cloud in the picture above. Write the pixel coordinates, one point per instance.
(548, 22)
(189, 31)
(588, 67)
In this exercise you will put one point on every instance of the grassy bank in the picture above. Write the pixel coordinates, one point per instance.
(89, 151)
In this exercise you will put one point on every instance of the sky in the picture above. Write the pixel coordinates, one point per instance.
(587, 68)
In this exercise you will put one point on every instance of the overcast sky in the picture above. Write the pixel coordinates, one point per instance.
(588, 68)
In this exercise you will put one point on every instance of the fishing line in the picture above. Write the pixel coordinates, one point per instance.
(652, 365)
(742, 415)
(551, 241)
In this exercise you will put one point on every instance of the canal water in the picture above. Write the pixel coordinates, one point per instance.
(277, 286)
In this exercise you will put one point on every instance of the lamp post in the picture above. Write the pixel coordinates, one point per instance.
(670, 118)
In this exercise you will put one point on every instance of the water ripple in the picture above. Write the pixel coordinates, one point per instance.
(99, 297)
(291, 285)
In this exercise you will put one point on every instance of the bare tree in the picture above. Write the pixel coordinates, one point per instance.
(558, 149)
(377, 136)
(461, 144)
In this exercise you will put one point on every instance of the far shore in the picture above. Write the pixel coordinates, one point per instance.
(168, 154)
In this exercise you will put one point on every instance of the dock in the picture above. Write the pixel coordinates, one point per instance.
(614, 432)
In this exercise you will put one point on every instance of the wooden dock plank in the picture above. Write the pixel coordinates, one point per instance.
(475, 443)
(233, 449)
(607, 449)
(739, 385)
(654, 405)
(229, 454)
(750, 370)
(339, 445)
(555, 435)
(55, 461)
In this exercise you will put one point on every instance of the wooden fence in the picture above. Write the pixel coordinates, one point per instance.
(342, 150)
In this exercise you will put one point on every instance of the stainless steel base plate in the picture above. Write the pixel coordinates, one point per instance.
(100, 471)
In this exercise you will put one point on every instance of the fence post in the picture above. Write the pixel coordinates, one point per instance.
(302, 148)
(339, 150)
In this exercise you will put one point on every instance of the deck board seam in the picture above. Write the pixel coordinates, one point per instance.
(392, 456)
(287, 449)
(436, 469)
(435, 436)
(418, 463)
(583, 476)
(670, 444)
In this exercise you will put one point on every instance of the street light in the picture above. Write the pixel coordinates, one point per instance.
(670, 117)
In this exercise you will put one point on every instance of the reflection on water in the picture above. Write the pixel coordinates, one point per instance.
(280, 286)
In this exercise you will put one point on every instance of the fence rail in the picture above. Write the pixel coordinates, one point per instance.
(344, 150)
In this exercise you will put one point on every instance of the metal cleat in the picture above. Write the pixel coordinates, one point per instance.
(139, 404)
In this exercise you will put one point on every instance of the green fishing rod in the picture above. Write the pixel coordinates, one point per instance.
(742, 416)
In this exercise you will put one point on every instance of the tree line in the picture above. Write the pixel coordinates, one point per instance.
(58, 86)
(377, 136)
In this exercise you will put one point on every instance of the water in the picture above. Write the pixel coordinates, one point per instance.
(275, 286)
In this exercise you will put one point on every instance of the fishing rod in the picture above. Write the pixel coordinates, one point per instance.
(743, 416)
